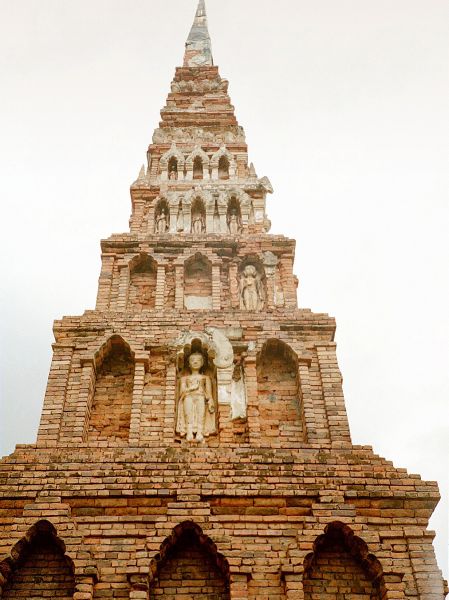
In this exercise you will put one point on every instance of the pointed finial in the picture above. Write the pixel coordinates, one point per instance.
(198, 46)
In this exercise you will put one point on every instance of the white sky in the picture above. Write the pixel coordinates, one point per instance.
(345, 106)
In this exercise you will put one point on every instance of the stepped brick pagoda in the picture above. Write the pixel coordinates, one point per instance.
(194, 441)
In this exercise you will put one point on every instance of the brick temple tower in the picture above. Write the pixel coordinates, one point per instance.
(194, 441)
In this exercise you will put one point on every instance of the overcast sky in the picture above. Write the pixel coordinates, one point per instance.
(345, 106)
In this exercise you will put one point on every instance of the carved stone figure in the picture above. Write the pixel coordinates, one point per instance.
(234, 223)
(252, 295)
(196, 408)
(162, 223)
(173, 176)
(198, 223)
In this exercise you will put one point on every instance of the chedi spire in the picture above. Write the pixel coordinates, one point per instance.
(198, 51)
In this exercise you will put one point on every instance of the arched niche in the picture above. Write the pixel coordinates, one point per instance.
(198, 212)
(197, 164)
(198, 283)
(223, 167)
(196, 393)
(234, 216)
(223, 164)
(279, 399)
(342, 567)
(162, 217)
(189, 566)
(252, 284)
(110, 413)
(198, 168)
(38, 567)
(142, 282)
(172, 164)
(173, 169)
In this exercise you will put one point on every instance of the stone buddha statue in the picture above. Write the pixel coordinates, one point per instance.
(162, 221)
(234, 223)
(251, 289)
(196, 408)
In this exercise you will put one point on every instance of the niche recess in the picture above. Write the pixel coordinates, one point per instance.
(40, 568)
(143, 278)
(198, 283)
(223, 168)
(279, 394)
(189, 567)
(198, 168)
(110, 414)
(341, 567)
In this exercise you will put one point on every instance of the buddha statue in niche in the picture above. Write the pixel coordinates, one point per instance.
(252, 295)
(198, 223)
(196, 406)
(162, 222)
(234, 222)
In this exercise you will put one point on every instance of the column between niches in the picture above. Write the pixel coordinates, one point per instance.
(253, 405)
(123, 287)
(140, 368)
(179, 286)
(223, 213)
(170, 402)
(210, 218)
(310, 429)
(160, 286)
(84, 402)
(216, 286)
(234, 285)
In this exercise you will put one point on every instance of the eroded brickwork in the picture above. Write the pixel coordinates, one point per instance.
(194, 441)
(43, 572)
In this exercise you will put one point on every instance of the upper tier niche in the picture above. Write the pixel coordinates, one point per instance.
(143, 278)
